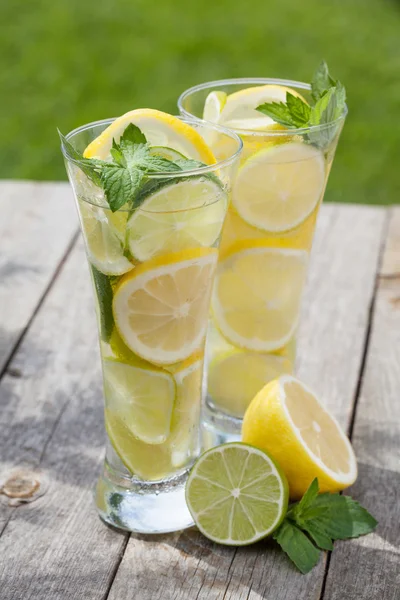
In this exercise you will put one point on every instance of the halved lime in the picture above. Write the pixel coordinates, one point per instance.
(237, 494)
(178, 216)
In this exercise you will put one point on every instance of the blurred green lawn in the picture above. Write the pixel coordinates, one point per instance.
(67, 62)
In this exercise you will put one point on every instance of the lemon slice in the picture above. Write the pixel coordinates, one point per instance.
(185, 434)
(160, 129)
(257, 294)
(182, 215)
(165, 152)
(104, 234)
(236, 494)
(243, 104)
(235, 377)
(160, 309)
(214, 105)
(261, 123)
(286, 420)
(277, 188)
(142, 399)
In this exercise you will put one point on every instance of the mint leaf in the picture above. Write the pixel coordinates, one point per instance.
(331, 517)
(329, 107)
(362, 521)
(299, 109)
(279, 112)
(159, 164)
(297, 546)
(321, 81)
(320, 537)
(307, 500)
(117, 155)
(91, 167)
(105, 297)
(132, 135)
(120, 185)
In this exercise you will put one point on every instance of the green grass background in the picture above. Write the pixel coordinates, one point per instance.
(67, 62)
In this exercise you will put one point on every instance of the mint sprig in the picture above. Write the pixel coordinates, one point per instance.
(126, 173)
(314, 523)
(330, 99)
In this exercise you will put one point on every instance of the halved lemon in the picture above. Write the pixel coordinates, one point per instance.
(243, 104)
(142, 399)
(277, 188)
(180, 215)
(104, 234)
(287, 420)
(161, 310)
(256, 296)
(160, 129)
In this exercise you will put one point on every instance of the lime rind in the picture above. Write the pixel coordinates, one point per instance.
(237, 494)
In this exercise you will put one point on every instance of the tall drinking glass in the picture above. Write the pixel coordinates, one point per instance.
(265, 247)
(152, 271)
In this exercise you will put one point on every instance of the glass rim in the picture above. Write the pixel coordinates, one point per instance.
(226, 162)
(257, 80)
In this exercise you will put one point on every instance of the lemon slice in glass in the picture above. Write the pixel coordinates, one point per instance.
(278, 187)
(256, 296)
(160, 129)
(161, 308)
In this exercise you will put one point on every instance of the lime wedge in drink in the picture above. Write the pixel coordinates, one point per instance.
(237, 494)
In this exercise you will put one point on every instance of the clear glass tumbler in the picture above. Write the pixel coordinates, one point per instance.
(152, 271)
(265, 247)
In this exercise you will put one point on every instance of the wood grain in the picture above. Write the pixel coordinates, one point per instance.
(369, 567)
(51, 422)
(37, 224)
(333, 332)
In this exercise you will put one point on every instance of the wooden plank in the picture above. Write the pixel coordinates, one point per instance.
(185, 566)
(51, 422)
(36, 227)
(376, 438)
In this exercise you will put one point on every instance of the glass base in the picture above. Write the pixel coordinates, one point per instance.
(219, 427)
(142, 507)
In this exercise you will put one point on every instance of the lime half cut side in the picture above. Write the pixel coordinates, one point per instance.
(236, 494)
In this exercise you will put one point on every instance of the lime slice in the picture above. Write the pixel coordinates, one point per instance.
(178, 216)
(236, 494)
(277, 188)
(104, 234)
(166, 152)
(142, 399)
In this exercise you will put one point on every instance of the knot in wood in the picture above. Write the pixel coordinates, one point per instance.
(20, 485)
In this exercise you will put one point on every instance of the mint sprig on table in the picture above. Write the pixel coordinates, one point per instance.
(329, 97)
(126, 173)
(313, 524)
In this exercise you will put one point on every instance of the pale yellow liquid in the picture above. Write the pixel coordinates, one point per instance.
(236, 374)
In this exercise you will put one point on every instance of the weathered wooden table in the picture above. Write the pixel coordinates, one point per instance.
(51, 419)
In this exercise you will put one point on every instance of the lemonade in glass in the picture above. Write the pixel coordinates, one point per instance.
(152, 200)
(268, 232)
